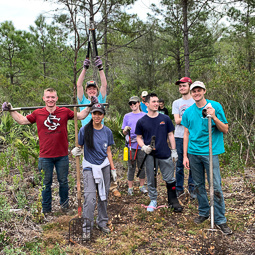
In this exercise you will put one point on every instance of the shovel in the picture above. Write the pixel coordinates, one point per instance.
(75, 224)
(211, 171)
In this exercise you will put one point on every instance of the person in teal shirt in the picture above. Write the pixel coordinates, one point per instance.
(196, 152)
(91, 88)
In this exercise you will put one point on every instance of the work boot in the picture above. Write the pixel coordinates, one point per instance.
(172, 197)
(105, 229)
(116, 193)
(224, 228)
(200, 219)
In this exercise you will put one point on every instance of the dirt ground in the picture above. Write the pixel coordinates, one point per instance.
(133, 230)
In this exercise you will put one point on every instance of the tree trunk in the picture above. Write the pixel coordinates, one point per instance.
(186, 37)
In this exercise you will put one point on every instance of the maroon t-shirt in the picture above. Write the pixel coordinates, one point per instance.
(52, 131)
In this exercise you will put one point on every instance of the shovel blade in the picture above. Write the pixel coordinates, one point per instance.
(76, 232)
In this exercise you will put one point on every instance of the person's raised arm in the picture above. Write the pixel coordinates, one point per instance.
(103, 88)
(80, 91)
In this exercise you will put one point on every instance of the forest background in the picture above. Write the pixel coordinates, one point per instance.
(180, 38)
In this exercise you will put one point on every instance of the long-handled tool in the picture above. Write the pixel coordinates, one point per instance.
(153, 138)
(76, 224)
(211, 170)
(40, 107)
(132, 160)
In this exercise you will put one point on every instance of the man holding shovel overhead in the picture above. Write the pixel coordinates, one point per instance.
(159, 126)
(135, 155)
(196, 152)
(52, 131)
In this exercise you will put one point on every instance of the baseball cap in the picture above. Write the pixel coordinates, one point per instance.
(144, 93)
(97, 108)
(199, 84)
(134, 99)
(91, 83)
(183, 80)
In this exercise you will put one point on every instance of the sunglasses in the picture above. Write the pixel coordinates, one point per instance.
(131, 103)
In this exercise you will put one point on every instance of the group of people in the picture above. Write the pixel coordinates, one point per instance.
(149, 131)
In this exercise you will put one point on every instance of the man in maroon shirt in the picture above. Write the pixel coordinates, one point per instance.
(51, 124)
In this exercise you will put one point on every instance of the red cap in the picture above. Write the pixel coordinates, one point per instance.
(183, 80)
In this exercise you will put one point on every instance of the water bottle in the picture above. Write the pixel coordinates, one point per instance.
(125, 154)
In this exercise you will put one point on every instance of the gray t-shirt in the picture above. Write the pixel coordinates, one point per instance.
(179, 106)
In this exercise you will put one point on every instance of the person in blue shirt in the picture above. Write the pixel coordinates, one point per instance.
(142, 104)
(160, 126)
(196, 152)
(92, 90)
(91, 87)
(97, 164)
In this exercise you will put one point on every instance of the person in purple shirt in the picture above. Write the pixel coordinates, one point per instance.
(128, 127)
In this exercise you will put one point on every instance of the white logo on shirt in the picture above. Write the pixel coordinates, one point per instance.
(50, 123)
(105, 146)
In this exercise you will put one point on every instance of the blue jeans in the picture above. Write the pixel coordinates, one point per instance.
(62, 166)
(180, 168)
(198, 166)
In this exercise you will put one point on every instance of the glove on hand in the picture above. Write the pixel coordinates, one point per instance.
(174, 155)
(147, 149)
(93, 100)
(76, 151)
(126, 129)
(114, 175)
(86, 64)
(98, 62)
(6, 106)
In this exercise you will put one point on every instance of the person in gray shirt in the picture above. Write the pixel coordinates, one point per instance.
(178, 108)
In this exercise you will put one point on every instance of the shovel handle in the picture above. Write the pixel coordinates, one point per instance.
(211, 171)
(77, 158)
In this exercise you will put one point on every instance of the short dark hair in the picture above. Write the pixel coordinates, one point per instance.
(148, 97)
(161, 101)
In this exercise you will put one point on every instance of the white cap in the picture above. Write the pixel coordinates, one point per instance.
(199, 84)
(144, 93)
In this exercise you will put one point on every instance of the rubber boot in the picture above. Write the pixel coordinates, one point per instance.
(172, 197)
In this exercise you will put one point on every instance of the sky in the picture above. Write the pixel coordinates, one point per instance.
(23, 13)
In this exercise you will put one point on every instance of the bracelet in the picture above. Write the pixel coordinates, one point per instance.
(100, 69)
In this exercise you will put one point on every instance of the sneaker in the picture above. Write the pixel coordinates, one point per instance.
(200, 219)
(179, 192)
(105, 229)
(86, 236)
(130, 191)
(224, 228)
(152, 206)
(143, 189)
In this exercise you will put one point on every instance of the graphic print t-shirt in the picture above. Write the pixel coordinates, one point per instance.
(52, 131)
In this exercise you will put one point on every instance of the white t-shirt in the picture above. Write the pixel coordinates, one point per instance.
(179, 106)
